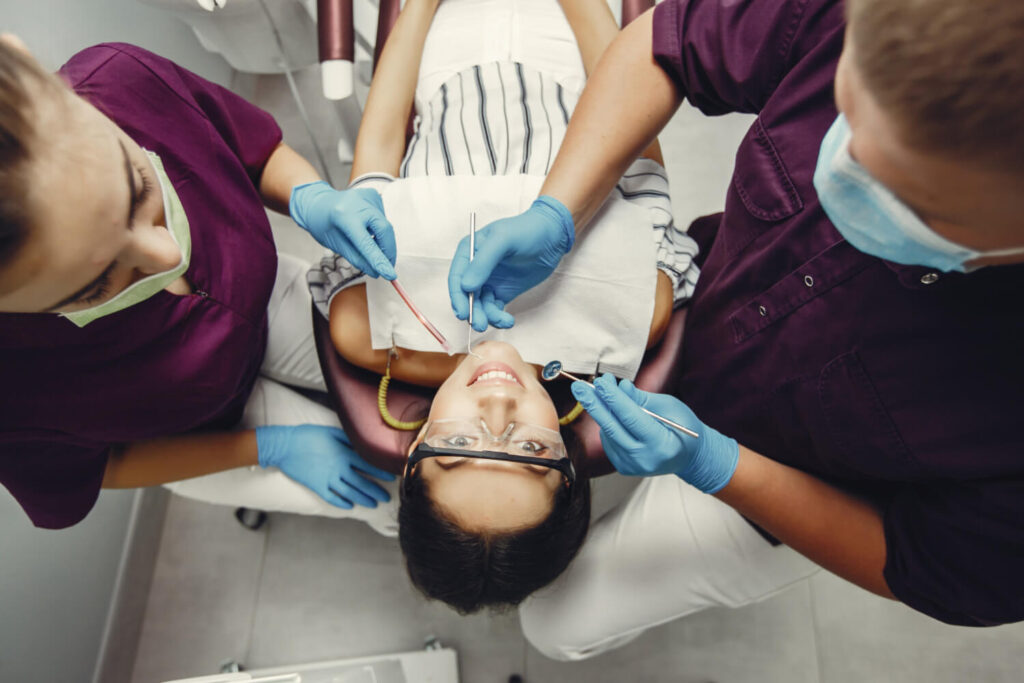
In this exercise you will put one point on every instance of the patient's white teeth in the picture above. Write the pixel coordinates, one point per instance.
(496, 374)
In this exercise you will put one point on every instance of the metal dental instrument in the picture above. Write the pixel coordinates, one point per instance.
(553, 369)
(422, 318)
(472, 250)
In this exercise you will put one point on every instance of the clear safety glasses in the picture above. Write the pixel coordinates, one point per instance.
(527, 444)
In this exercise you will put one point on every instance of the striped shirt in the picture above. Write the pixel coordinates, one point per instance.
(507, 119)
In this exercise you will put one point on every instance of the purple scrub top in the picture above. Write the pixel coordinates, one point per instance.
(900, 384)
(170, 364)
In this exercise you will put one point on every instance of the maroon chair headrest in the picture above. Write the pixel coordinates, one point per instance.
(353, 392)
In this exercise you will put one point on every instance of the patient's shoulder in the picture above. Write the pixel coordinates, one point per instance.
(350, 334)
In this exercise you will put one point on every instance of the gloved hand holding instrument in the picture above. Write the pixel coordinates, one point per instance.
(348, 222)
(638, 444)
(512, 255)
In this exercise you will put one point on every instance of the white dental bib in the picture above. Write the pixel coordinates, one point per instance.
(593, 313)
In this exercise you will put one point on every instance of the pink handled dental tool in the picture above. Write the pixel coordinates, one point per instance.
(436, 333)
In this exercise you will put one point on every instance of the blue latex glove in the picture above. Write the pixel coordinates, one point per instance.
(512, 255)
(348, 222)
(637, 444)
(322, 459)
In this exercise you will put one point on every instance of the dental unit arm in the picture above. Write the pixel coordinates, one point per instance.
(336, 46)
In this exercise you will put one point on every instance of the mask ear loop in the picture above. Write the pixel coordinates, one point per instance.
(382, 400)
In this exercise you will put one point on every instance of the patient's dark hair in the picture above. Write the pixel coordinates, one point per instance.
(472, 570)
(18, 134)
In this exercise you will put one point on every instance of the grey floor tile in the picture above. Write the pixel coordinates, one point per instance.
(770, 642)
(335, 588)
(863, 637)
(203, 593)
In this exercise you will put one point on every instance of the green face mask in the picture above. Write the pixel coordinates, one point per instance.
(177, 225)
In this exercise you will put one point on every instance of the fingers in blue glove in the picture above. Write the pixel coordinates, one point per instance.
(367, 468)
(384, 234)
(593, 402)
(627, 413)
(490, 251)
(495, 310)
(479, 314)
(354, 492)
(358, 229)
(459, 297)
(336, 499)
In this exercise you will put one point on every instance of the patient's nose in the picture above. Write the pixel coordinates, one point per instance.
(152, 250)
(497, 412)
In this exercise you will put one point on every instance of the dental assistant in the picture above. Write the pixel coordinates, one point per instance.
(852, 359)
(142, 296)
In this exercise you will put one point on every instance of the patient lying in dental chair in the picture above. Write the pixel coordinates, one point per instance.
(497, 82)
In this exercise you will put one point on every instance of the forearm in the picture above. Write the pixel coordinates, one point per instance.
(380, 144)
(627, 101)
(834, 529)
(149, 463)
(593, 26)
(285, 169)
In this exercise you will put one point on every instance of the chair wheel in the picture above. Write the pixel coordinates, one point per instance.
(249, 518)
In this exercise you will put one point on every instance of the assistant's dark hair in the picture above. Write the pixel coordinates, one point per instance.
(18, 135)
(472, 570)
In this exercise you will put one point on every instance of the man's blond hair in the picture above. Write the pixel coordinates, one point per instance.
(949, 72)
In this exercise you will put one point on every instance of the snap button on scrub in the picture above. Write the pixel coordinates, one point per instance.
(762, 310)
(929, 278)
(808, 280)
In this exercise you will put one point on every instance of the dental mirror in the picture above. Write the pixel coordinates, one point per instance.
(554, 368)
(551, 370)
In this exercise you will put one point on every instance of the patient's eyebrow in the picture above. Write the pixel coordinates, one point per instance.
(459, 461)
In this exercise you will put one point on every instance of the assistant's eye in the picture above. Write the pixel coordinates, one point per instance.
(144, 192)
(459, 441)
(100, 291)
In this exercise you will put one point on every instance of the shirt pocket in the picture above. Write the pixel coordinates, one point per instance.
(761, 180)
(859, 432)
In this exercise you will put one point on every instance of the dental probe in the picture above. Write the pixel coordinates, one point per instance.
(472, 250)
(436, 333)
(554, 369)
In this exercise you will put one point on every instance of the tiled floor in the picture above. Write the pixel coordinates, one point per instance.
(305, 589)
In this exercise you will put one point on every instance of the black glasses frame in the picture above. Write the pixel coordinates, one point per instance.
(424, 451)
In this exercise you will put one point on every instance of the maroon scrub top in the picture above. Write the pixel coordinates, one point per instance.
(170, 364)
(899, 384)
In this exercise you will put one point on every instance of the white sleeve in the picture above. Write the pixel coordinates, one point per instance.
(334, 273)
(645, 183)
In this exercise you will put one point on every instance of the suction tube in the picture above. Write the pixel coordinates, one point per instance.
(337, 47)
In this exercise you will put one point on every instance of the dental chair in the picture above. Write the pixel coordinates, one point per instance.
(353, 390)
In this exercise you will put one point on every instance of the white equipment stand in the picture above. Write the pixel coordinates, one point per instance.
(421, 666)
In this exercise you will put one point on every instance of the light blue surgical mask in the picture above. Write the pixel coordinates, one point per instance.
(177, 224)
(874, 220)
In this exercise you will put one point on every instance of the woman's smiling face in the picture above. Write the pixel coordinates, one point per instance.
(499, 388)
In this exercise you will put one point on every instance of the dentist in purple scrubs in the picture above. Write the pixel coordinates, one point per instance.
(141, 294)
(852, 359)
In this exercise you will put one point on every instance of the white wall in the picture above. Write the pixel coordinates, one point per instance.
(57, 29)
